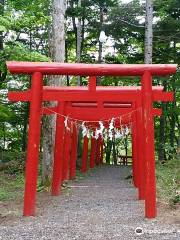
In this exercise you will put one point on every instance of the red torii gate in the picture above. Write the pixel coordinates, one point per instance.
(37, 94)
(111, 110)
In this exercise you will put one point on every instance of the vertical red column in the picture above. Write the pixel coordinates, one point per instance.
(98, 151)
(67, 148)
(85, 154)
(31, 174)
(92, 154)
(58, 151)
(150, 195)
(73, 158)
(141, 162)
(134, 150)
(102, 151)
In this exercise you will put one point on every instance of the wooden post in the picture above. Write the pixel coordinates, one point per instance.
(92, 83)
(58, 151)
(92, 154)
(150, 181)
(102, 151)
(134, 151)
(73, 158)
(67, 148)
(85, 154)
(134, 162)
(98, 149)
(33, 145)
(141, 154)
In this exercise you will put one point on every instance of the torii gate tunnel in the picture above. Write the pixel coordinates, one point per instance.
(104, 103)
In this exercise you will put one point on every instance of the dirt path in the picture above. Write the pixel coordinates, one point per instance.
(103, 205)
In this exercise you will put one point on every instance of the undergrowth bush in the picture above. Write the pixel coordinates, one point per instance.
(168, 181)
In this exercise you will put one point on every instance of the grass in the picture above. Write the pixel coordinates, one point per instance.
(11, 186)
(168, 182)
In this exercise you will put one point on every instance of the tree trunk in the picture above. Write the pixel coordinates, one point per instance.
(148, 32)
(178, 145)
(114, 151)
(3, 72)
(57, 53)
(162, 127)
(173, 118)
(1, 13)
(100, 43)
(108, 151)
(25, 125)
(79, 40)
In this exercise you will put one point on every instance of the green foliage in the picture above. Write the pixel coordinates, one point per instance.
(5, 114)
(11, 186)
(168, 181)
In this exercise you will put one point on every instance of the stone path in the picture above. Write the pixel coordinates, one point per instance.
(103, 205)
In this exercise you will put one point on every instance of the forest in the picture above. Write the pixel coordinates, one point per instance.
(27, 34)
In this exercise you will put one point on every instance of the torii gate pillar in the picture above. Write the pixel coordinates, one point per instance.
(33, 145)
(149, 159)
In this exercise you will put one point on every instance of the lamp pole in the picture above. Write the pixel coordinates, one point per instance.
(102, 37)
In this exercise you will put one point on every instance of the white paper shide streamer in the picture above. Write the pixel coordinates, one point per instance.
(111, 129)
(99, 131)
(84, 129)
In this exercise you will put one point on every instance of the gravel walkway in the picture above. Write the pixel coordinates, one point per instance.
(103, 205)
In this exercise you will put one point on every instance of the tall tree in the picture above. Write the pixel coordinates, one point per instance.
(57, 53)
(79, 40)
(148, 32)
(3, 71)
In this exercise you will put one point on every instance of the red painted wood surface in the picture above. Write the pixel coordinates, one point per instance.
(92, 83)
(92, 154)
(33, 146)
(85, 155)
(58, 152)
(98, 151)
(105, 98)
(90, 69)
(140, 151)
(134, 150)
(73, 158)
(150, 182)
(66, 158)
(102, 151)
(121, 95)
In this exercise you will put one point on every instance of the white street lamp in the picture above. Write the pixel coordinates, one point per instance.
(102, 37)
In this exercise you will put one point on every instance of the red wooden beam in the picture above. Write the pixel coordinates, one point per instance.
(148, 136)
(102, 150)
(92, 154)
(90, 69)
(92, 83)
(33, 146)
(157, 112)
(162, 96)
(98, 88)
(72, 170)
(98, 151)
(66, 157)
(23, 96)
(94, 114)
(85, 96)
(85, 155)
(135, 141)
